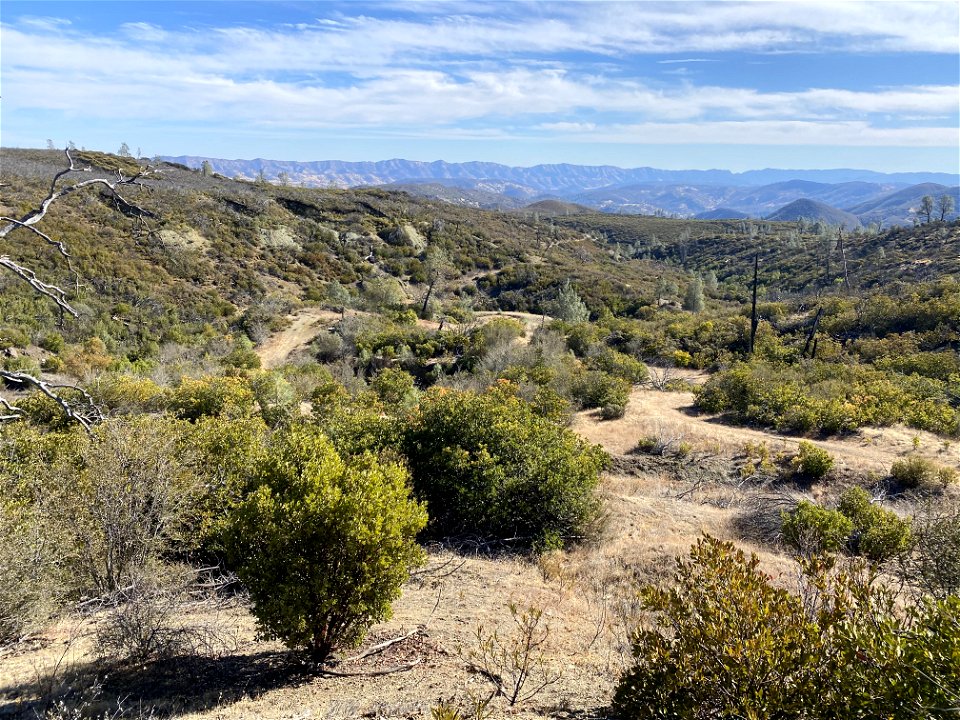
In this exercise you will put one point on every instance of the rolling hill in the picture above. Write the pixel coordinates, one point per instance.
(814, 211)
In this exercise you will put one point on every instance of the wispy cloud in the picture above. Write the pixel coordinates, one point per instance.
(484, 70)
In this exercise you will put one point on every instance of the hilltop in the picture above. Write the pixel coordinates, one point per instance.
(815, 211)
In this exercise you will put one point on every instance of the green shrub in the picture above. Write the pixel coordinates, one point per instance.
(618, 365)
(724, 642)
(878, 534)
(488, 465)
(812, 529)
(275, 397)
(323, 545)
(127, 394)
(812, 462)
(53, 342)
(212, 396)
(501, 331)
(917, 473)
(395, 388)
(597, 389)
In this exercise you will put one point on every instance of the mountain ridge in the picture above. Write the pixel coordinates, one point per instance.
(544, 175)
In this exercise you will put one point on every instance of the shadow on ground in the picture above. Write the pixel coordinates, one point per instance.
(172, 686)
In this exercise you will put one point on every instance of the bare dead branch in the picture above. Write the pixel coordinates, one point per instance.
(371, 673)
(86, 412)
(35, 216)
(54, 292)
(380, 647)
(13, 412)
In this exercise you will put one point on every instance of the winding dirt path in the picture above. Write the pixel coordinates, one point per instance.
(651, 412)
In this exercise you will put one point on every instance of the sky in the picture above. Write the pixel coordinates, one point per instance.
(676, 85)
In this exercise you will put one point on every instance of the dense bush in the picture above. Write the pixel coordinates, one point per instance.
(323, 545)
(488, 465)
(878, 534)
(828, 397)
(812, 529)
(812, 462)
(212, 396)
(724, 642)
(597, 389)
(922, 474)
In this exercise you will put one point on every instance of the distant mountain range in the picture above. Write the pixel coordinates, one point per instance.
(864, 195)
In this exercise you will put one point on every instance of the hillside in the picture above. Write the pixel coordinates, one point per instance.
(899, 208)
(814, 211)
(480, 436)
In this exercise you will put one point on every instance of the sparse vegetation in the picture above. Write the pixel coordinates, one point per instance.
(318, 389)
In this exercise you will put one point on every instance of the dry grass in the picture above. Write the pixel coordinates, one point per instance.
(588, 598)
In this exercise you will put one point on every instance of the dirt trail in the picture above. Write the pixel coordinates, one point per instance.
(303, 328)
(651, 412)
(310, 322)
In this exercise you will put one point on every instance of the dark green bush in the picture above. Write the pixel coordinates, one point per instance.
(488, 465)
(323, 545)
(878, 534)
(724, 642)
(812, 462)
(812, 529)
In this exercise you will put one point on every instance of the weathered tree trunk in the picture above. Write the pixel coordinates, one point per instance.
(813, 332)
(754, 321)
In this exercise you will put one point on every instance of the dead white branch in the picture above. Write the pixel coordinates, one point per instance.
(13, 412)
(371, 673)
(380, 647)
(84, 412)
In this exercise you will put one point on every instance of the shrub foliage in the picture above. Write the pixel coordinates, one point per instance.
(323, 545)
(724, 642)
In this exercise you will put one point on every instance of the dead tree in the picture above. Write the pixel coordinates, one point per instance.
(811, 336)
(754, 320)
(76, 403)
(843, 257)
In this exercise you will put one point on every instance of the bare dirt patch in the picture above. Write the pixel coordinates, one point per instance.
(651, 412)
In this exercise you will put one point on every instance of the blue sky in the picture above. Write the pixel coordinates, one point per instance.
(734, 85)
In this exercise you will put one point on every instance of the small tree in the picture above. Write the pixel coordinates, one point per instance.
(945, 206)
(569, 307)
(926, 207)
(693, 299)
(322, 545)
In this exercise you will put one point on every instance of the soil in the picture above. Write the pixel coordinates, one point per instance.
(587, 595)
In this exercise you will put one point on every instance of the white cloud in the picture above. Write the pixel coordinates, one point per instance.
(774, 132)
(458, 69)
